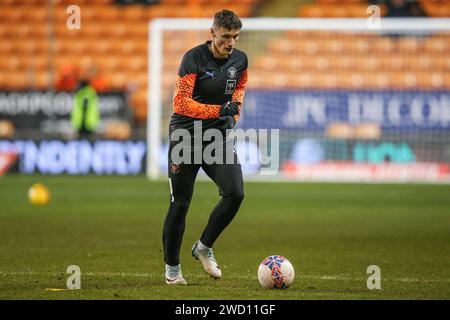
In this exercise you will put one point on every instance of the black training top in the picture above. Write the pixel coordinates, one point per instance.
(205, 83)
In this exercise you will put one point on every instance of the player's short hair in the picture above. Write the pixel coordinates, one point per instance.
(227, 19)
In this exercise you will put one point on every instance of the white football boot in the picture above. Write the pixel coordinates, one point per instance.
(173, 275)
(206, 256)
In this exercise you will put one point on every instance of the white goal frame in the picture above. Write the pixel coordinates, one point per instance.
(155, 55)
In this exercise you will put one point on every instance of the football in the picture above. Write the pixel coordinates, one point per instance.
(275, 272)
(39, 194)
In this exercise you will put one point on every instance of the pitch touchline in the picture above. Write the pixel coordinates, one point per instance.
(144, 275)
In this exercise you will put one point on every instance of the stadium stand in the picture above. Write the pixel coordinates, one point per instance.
(112, 46)
(112, 43)
(349, 61)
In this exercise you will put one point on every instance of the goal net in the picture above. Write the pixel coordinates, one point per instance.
(351, 102)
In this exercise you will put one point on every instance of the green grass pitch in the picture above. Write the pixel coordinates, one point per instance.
(111, 228)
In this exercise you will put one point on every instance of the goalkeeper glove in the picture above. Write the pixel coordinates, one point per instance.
(229, 109)
(228, 122)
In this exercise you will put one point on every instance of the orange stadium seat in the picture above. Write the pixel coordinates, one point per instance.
(41, 81)
(4, 62)
(93, 30)
(139, 99)
(18, 80)
(61, 31)
(109, 13)
(266, 62)
(168, 79)
(60, 14)
(133, 13)
(101, 47)
(447, 80)
(61, 60)
(33, 62)
(330, 10)
(23, 30)
(111, 63)
(407, 45)
(34, 13)
(431, 80)
(3, 80)
(118, 80)
(394, 62)
(410, 62)
(311, 11)
(307, 80)
(12, 14)
(117, 29)
(7, 47)
(358, 46)
(382, 45)
(440, 8)
(340, 1)
(172, 60)
(11, 63)
(436, 45)
(62, 46)
(327, 80)
(138, 30)
(137, 63)
(369, 63)
(342, 62)
(140, 113)
(39, 30)
(4, 29)
(202, 2)
(162, 10)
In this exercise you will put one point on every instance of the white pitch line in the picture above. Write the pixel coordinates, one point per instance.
(148, 275)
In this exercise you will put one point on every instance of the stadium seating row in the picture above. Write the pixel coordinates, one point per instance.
(358, 9)
(104, 63)
(41, 80)
(331, 10)
(302, 44)
(363, 45)
(114, 39)
(351, 80)
(104, 2)
(108, 62)
(436, 8)
(91, 12)
(321, 63)
(44, 2)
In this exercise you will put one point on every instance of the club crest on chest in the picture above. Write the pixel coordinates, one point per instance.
(232, 72)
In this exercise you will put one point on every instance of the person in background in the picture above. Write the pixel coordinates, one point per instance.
(85, 114)
(68, 78)
(404, 8)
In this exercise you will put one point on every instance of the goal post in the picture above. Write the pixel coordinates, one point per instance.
(352, 101)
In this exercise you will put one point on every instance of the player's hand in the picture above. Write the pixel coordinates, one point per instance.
(228, 122)
(229, 109)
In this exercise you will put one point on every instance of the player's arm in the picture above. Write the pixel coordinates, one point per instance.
(184, 87)
(239, 92)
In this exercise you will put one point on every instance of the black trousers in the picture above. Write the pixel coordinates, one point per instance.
(182, 176)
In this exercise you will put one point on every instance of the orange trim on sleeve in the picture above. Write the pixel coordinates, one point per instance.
(239, 93)
(185, 105)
